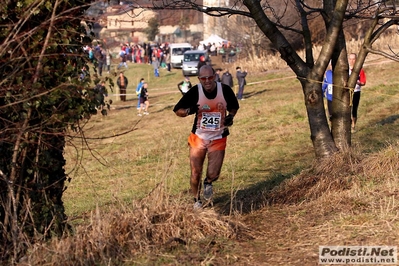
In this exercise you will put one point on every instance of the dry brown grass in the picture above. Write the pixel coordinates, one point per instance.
(128, 233)
(272, 63)
(329, 174)
(353, 203)
(348, 199)
(340, 172)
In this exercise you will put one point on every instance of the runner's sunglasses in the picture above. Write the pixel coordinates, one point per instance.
(204, 78)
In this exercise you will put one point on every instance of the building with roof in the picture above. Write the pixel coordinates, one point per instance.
(127, 23)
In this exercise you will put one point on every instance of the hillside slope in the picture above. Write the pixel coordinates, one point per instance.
(129, 199)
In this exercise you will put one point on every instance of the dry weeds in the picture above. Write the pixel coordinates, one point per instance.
(350, 198)
(330, 174)
(330, 204)
(121, 234)
(338, 173)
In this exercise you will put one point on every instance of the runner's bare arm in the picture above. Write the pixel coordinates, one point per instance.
(182, 112)
(232, 112)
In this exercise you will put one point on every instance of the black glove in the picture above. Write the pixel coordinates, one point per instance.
(228, 120)
(193, 109)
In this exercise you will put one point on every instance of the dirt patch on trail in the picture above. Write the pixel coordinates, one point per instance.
(282, 237)
(292, 234)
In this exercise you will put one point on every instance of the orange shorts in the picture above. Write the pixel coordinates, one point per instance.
(211, 145)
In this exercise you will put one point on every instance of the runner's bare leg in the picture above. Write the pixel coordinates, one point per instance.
(197, 158)
(215, 161)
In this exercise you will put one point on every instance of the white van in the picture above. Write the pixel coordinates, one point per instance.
(176, 53)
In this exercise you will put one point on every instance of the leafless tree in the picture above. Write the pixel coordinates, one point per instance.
(274, 20)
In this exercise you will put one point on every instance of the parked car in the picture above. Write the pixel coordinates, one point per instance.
(190, 61)
(177, 51)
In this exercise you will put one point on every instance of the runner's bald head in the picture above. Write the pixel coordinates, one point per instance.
(205, 69)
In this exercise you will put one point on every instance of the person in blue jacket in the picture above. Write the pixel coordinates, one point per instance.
(138, 91)
(327, 88)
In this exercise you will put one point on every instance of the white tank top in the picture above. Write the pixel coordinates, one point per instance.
(357, 86)
(211, 114)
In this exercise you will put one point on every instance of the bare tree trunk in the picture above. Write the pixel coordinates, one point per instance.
(320, 134)
(341, 109)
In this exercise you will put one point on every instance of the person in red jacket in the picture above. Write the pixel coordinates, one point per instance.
(201, 62)
(361, 81)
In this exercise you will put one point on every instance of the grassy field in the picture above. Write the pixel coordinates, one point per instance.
(129, 198)
(155, 149)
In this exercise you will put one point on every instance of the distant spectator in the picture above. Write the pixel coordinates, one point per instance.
(217, 74)
(144, 103)
(201, 62)
(108, 61)
(185, 85)
(101, 58)
(122, 57)
(83, 73)
(91, 55)
(101, 93)
(222, 52)
(167, 61)
(149, 53)
(208, 48)
(128, 51)
(231, 54)
(142, 53)
(213, 49)
(155, 66)
(201, 47)
(137, 54)
(122, 84)
(241, 82)
(227, 79)
(138, 92)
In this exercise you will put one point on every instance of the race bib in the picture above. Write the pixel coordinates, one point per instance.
(330, 88)
(210, 120)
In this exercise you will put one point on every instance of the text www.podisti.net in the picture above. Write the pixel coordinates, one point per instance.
(358, 255)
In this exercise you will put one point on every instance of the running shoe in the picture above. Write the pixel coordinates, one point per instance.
(197, 205)
(208, 191)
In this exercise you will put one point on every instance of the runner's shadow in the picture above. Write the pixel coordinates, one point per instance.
(252, 198)
(389, 120)
(166, 108)
(255, 93)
